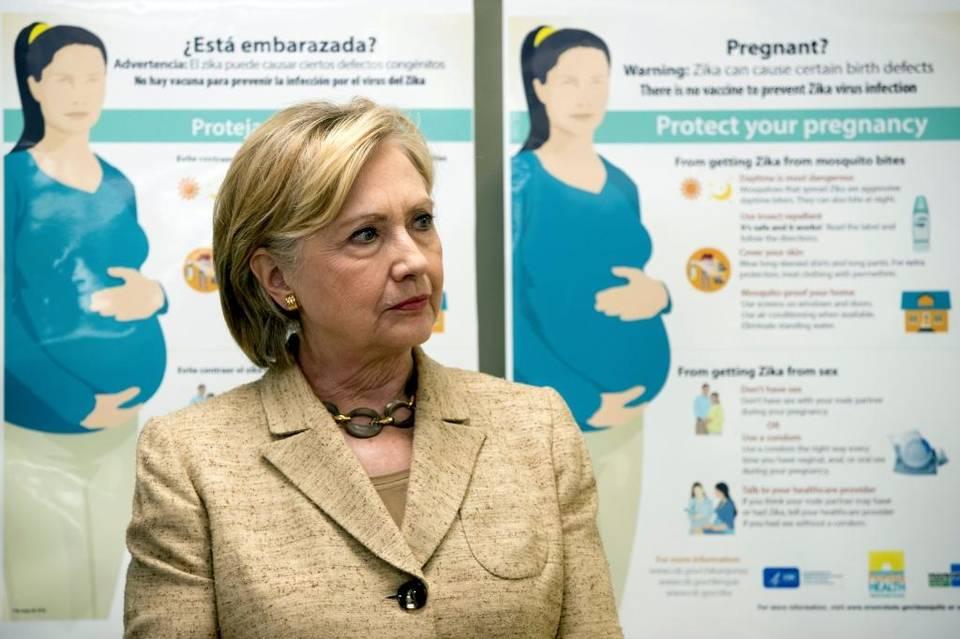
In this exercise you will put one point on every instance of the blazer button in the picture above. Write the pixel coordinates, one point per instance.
(411, 595)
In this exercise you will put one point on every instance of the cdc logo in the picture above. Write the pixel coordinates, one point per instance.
(781, 577)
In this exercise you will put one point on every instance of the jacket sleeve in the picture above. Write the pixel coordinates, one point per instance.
(169, 589)
(589, 609)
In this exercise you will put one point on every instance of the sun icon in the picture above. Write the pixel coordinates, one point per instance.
(188, 188)
(690, 188)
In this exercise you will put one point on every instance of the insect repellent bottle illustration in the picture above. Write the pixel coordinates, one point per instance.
(921, 224)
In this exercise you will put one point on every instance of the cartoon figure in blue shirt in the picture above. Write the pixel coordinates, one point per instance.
(586, 316)
(724, 514)
(83, 344)
(701, 409)
(699, 509)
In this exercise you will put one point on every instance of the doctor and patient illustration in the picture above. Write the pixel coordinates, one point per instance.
(77, 306)
(715, 516)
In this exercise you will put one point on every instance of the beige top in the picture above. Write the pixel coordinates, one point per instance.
(253, 518)
(392, 489)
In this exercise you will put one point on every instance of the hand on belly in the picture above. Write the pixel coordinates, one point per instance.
(614, 411)
(136, 299)
(107, 413)
(642, 297)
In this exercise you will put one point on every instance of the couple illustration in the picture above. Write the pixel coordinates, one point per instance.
(708, 412)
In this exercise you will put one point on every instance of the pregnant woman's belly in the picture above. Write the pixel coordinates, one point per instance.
(107, 354)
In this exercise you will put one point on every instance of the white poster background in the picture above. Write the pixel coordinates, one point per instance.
(176, 180)
(887, 381)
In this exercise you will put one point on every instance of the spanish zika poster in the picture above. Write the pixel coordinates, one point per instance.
(111, 312)
(730, 237)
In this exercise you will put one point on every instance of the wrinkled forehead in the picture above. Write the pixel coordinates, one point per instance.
(388, 182)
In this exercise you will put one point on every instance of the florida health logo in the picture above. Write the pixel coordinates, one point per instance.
(886, 576)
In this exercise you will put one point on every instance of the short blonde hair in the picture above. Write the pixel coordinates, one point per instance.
(288, 180)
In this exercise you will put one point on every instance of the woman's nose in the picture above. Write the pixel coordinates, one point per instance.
(409, 257)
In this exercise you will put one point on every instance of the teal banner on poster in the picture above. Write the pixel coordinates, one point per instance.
(227, 125)
(820, 125)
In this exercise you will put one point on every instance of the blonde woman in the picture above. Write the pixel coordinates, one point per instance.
(359, 489)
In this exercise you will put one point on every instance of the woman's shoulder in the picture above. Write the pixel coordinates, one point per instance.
(230, 413)
(497, 403)
(526, 159)
(483, 386)
(616, 174)
(111, 172)
(17, 161)
(523, 166)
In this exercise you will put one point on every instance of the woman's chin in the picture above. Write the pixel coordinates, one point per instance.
(75, 126)
(408, 335)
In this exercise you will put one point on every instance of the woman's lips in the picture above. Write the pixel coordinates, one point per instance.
(411, 304)
(77, 114)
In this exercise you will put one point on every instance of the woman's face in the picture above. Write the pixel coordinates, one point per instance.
(372, 280)
(718, 494)
(71, 89)
(576, 90)
(698, 492)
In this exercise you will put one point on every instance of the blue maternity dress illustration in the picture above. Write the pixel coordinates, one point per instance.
(67, 488)
(59, 243)
(565, 241)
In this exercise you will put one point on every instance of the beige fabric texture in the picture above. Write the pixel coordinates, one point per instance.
(253, 518)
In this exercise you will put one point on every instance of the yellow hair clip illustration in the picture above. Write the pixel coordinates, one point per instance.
(35, 32)
(542, 34)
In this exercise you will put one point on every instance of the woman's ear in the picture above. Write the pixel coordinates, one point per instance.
(34, 88)
(538, 90)
(271, 278)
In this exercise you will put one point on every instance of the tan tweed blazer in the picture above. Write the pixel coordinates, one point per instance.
(253, 518)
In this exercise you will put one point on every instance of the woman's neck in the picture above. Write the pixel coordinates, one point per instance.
(63, 147)
(562, 144)
(350, 381)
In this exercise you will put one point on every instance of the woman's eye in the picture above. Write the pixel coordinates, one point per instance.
(365, 235)
(423, 221)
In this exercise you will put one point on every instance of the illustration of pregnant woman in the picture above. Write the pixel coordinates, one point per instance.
(587, 318)
(83, 345)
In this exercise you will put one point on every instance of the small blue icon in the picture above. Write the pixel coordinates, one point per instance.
(915, 455)
(781, 577)
(955, 575)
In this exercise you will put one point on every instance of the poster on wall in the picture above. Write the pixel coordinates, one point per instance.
(729, 240)
(118, 125)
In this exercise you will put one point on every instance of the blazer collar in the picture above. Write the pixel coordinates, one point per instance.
(312, 454)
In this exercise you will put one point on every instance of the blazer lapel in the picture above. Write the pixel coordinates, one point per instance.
(312, 455)
(445, 449)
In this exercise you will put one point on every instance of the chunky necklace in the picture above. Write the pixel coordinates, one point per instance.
(366, 422)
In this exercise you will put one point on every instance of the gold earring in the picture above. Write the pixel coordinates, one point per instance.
(291, 302)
